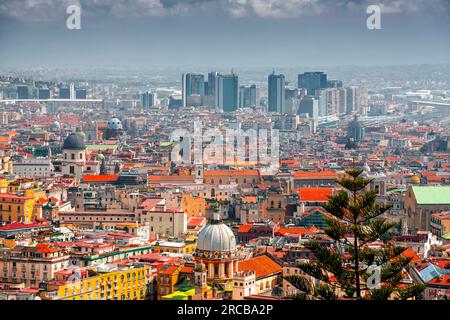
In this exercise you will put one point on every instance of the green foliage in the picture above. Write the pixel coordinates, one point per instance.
(357, 220)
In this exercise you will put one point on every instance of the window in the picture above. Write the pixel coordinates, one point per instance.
(72, 156)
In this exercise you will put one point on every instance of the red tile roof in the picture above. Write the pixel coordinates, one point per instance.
(100, 177)
(296, 231)
(315, 194)
(245, 228)
(262, 265)
(309, 175)
(196, 221)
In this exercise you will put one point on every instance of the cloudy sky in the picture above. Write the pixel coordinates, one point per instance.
(223, 33)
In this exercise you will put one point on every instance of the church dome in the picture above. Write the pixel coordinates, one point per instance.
(74, 142)
(216, 237)
(366, 167)
(114, 124)
(415, 180)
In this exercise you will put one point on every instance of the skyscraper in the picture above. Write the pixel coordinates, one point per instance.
(248, 96)
(72, 91)
(311, 81)
(148, 99)
(334, 83)
(23, 92)
(80, 94)
(64, 93)
(212, 76)
(44, 93)
(226, 93)
(276, 91)
(193, 85)
(329, 101)
(357, 99)
(309, 105)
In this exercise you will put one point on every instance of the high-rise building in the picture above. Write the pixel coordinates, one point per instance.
(276, 92)
(311, 81)
(334, 83)
(309, 105)
(248, 96)
(357, 99)
(293, 97)
(23, 92)
(148, 99)
(329, 101)
(192, 85)
(64, 93)
(80, 94)
(72, 91)
(212, 76)
(342, 109)
(175, 102)
(226, 93)
(43, 93)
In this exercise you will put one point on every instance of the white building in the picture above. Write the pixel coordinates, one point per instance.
(164, 221)
(244, 284)
(33, 168)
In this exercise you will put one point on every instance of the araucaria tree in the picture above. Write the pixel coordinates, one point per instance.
(349, 268)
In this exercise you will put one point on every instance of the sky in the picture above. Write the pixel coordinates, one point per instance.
(222, 33)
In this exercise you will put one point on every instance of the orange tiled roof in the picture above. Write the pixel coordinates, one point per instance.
(245, 228)
(196, 221)
(315, 194)
(168, 269)
(307, 175)
(100, 177)
(442, 280)
(249, 199)
(410, 253)
(298, 230)
(262, 265)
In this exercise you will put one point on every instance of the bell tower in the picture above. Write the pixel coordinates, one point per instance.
(199, 173)
(200, 275)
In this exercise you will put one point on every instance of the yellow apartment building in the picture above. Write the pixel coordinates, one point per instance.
(16, 208)
(123, 283)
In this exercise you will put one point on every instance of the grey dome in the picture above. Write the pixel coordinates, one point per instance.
(74, 142)
(216, 237)
(114, 124)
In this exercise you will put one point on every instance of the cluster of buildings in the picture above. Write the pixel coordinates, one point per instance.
(314, 95)
(95, 204)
